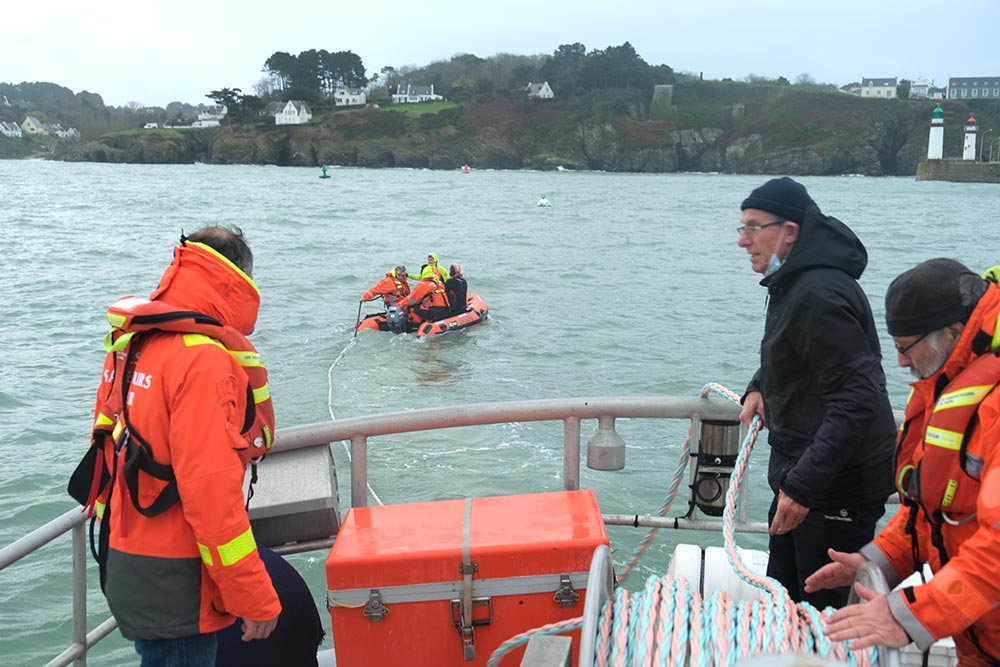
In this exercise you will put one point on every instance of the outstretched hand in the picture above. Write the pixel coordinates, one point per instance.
(839, 573)
(868, 624)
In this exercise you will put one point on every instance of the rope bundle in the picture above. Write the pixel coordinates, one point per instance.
(667, 623)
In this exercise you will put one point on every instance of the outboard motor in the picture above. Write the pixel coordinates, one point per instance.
(395, 319)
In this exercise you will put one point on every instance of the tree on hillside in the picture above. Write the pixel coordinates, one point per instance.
(229, 98)
(564, 69)
(315, 71)
(903, 89)
(281, 68)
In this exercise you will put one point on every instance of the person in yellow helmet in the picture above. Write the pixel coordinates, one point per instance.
(431, 267)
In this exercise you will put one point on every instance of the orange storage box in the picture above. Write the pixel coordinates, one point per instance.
(445, 583)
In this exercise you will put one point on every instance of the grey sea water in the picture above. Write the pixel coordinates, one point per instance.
(626, 285)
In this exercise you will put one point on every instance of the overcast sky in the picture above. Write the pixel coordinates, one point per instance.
(158, 52)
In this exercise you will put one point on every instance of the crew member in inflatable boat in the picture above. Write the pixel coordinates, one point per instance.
(432, 267)
(427, 301)
(457, 290)
(391, 288)
(182, 405)
(944, 321)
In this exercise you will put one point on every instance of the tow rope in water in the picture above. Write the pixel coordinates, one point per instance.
(668, 624)
(329, 408)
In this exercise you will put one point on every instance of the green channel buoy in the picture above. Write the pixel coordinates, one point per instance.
(325, 175)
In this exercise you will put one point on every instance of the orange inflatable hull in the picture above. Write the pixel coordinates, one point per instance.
(395, 576)
(476, 313)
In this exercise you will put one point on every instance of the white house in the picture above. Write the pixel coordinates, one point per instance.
(64, 133)
(881, 88)
(410, 94)
(540, 90)
(926, 90)
(293, 112)
(10, 130)
(210, 117)
(343, 97)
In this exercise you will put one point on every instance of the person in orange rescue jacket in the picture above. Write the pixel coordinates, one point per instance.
(182, 407)
(943, 319)
(427, 301)
(391, 288)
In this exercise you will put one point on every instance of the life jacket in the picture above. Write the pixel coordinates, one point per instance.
(132, 317)
(944, 479)
(400, 289)
(433, 296)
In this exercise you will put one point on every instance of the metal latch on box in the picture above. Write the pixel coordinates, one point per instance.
(374, 609)
(466, 631)
(566, 596)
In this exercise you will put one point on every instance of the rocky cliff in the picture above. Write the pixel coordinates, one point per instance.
(710, 126)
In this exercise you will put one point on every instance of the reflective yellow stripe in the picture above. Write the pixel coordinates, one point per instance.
(261, 394)
(201, 339)
(116, 320)
(949, 493)
(963, 397)
(995, 343)
(942, 438)
(223, 258)
(267, 437)
(118, 429)
(237, 549)
(247, 358)
(206, 554)
(103, 420)
(99, 509)
(114, 346)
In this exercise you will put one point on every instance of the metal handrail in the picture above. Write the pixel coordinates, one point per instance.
(357, 430)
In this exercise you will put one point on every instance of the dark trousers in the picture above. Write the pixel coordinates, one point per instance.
(433, 313)
(797, 554)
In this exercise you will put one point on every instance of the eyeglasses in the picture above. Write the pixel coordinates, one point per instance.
(753, 229)
(904, 350)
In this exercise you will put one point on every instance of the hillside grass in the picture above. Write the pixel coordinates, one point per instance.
(421, 108)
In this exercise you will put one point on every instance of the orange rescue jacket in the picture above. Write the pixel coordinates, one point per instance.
(391, 288)
(962, 598)
(188, 402)
(428, 293)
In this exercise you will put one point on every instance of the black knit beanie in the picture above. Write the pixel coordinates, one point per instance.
(783, 197)
(930, 296)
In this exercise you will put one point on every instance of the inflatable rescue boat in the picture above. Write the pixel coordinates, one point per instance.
(394, 320)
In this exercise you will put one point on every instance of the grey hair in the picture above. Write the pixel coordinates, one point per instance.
(228, 242)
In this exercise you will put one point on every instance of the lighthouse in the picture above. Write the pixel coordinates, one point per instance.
(969, 151)
(935, 143)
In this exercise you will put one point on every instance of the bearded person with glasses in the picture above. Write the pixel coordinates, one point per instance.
(943, 319)
(819, 390)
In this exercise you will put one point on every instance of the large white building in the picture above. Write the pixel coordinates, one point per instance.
(880, 88)
(408, 94)
(974, 87)
(293, 112)
(345, 97)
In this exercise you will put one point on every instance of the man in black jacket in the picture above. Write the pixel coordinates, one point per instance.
(820, 389)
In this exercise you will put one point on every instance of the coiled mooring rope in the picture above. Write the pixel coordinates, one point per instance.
(667, 623)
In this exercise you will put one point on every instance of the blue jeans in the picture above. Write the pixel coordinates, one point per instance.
(191, 651)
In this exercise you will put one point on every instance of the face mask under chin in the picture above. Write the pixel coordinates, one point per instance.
(775, 262)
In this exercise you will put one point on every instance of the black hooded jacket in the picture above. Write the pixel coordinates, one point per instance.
(830, 424)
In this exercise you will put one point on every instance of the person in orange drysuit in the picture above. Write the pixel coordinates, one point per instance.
(391, 288)
(944, 321)
(177, 418)
(427, 301)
